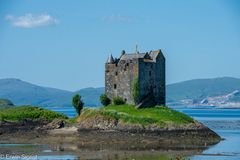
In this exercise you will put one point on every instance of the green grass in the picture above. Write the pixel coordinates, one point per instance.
(158, 115)
(28, 112)
(72, 120)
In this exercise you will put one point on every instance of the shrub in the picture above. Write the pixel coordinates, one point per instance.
(118, 101)
(77, 103)
(105, 100)
(135, 91)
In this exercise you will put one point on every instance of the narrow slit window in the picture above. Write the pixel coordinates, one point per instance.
(116, 73)
(115, 86)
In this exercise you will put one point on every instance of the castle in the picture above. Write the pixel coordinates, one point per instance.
(147, 70)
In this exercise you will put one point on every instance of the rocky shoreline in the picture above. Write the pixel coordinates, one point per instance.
(108, 123)
(60, 134)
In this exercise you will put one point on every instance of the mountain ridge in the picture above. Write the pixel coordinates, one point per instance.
(22, 92)
(199, 88)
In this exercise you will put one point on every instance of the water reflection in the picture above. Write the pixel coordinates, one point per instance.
(38, 152)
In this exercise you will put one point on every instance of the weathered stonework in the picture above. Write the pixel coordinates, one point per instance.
(147, 68)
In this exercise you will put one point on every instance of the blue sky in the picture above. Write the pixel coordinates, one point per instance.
(64, 44)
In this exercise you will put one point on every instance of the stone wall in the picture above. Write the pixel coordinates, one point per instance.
(160, 80)
(146, 78)
(119, 77)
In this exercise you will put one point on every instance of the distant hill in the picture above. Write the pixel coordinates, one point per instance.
(202, 88)
(23, 93)
(5, 103)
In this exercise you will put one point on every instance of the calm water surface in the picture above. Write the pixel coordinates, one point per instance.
(225, 122)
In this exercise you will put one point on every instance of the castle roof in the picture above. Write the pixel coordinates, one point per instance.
(132, 56)
(151, 55)
(154, 54)
(148, 57)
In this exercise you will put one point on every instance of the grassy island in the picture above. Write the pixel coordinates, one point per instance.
(28, 112)
(160, 115)
(105, 127)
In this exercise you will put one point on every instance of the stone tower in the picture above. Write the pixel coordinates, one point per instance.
(148, 69)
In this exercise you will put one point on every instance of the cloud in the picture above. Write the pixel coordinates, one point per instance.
(31, 21)
(117, 18)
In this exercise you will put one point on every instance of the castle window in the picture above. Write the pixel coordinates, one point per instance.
(115, 86)
(127, 64)
(150, 73)
(116, 73)
(130, 61)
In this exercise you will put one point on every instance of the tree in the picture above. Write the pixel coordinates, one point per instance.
(105, 100)
(118, 100)
(77, 103)
(135, 91)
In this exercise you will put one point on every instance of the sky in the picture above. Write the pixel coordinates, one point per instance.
(65, 44)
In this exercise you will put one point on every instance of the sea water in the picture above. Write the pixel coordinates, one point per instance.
(225, 122)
